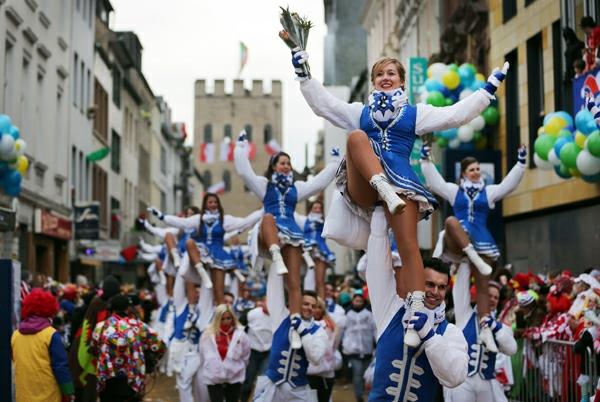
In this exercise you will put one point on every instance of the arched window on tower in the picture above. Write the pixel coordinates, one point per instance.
(227, 180)
(267, 133)
(248, 129)
(227, 131)
(207, 179)
(208, 133)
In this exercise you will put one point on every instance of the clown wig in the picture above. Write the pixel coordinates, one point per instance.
(39, 303)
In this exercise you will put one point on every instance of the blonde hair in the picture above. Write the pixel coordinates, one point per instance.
(326, 317)
(382, 62)
(215, 324)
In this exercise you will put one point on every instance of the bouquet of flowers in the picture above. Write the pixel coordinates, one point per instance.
(295, 33)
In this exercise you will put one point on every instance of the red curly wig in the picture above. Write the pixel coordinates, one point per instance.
(39, 303)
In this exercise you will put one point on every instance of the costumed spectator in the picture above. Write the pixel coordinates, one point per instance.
(40, 360)
(592, 42)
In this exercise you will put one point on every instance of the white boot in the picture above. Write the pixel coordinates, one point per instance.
(278, 259)
(239, 275)
(415, 303)
(486, 337)
(380, 183)
(204, 275)
(175, 257)
(476, 259)
(310, 263)
(295, 339)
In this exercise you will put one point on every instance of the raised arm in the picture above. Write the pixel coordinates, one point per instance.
(179, 297)
(192, 222)
(380, 274)
(496, 192)
(150, 248)
(321, 180)
(461, 295)
(256, 184)
(206, 307)
(275, 298)
(232, 223)
(159, 232)
(434, 179)
(447, 355)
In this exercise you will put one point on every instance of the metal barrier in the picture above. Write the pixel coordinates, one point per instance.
(551, 370)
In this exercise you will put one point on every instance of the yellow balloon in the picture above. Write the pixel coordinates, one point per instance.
(580, 139)
(22, 164)
(554, 125)
(480, 77)
(451, 79)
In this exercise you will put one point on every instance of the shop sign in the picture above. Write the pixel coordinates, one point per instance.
(51, 224)
(87, 220)
(417, 77)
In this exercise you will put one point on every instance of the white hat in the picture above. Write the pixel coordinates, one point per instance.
(588, 279)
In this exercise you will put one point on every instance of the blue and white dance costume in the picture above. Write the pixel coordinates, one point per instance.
(392, 126)
(314, 242)
(280, 195)
(161, 232)
(472, 203)
(481, 384)
(210, 232)
(403, 373)
(285, 379)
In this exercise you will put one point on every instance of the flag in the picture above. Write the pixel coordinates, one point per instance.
(207, 152)
(272, 147)
(243, 56)
(227, 147)
(252, 151)
(217, 188)
(98, 155)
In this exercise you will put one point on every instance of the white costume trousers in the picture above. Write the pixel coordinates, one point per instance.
(476, 389)
(267, 391)
(185, 378)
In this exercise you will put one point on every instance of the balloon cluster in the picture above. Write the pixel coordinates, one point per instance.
(571, 148)
(13, 162)
(446, 85)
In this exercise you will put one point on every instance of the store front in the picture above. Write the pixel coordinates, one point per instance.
(48, 245)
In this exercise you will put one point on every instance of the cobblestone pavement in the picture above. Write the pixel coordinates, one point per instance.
(162, 389)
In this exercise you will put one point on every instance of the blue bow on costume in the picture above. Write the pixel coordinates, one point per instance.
(471, 189)
(385, 106)
(282, 181)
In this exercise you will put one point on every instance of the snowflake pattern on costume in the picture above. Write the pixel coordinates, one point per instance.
(385, 106)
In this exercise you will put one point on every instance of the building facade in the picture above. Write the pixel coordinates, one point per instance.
(218, 119)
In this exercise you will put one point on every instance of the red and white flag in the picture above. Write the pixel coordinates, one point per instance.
(207, 152)
(226, 152)
(252, 151)
(272, 147)
(217, 188)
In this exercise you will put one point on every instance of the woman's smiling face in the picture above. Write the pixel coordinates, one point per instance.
(387, 78)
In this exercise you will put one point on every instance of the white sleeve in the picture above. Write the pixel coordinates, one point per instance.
(447, 355)
(233, 223)
(380, 274)
(436, 182)
(256, 184)
(315, 345)
(159, 232)
(339, 113)
(319, 182)
(461, 295)
(148, 256)
(506, 341)
(192, 222)
(150, 248)
(300, 220)
(153, 274)
(431, 118)
(275, 298)
(179, 297)
(496, 192)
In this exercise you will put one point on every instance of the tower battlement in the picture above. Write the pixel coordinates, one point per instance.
(235, 88)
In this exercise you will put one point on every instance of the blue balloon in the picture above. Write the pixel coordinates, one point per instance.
(560, 143)
(13, 178)
(454, 97)
(5, 124)
(446, 92)
(590, 127)
(562, 173)
(565, 116)
(14, 132)
(12, 191)
(581, 119)
(477, 84)
(433, 85)
(449, 134)
(592, 179)
(466, 75)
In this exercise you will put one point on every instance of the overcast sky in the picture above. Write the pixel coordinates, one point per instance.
(185, 40)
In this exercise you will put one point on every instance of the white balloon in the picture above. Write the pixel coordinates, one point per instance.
(552, 158)
(587, 163)
(465, 93)
(465, 133)
(437, 70)
(454, 143)
(542, 164)
(478, 123)
(7, 144)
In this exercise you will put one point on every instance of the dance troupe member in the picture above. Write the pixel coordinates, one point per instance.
(381, 137)
(278, 231)
(206, 245)
(466, 234)
(404, 373)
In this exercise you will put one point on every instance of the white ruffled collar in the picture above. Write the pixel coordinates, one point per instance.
(210, 217)
(386, 105)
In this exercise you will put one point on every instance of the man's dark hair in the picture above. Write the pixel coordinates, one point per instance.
(229, 294)
(310, 293)
(437, 265)
(119, 304)
(587, 22)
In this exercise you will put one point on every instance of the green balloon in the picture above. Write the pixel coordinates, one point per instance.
(568, 155)
(543, 144)
(476, 136)
(449, 102)
(564, 133)
(491, 115)
(442, 142)
(593, 143)
(470, 67)
(453, 67)
(436, 98)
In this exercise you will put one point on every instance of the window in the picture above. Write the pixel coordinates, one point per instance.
(100, 192)
(561, 87)
(9, 83)
(207, 179)
(267, 134)
(509, 10)
(75, 78)
(163, 160)
(248, 129)
(115, 152)
(535, 81)
(101, 116)
(80, 167)
(116, 89)
(58, 182)
(163, 201)
(227, 133)
(513, 128)
(208, 133)
(91, 13)
(88, 90)
(73, 168)
(82, 87)
(115, 218)
(227, 180)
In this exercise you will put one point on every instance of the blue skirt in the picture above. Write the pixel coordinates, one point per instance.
(215, 256)
(482, 239)
(318, 250)
(289, 231)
